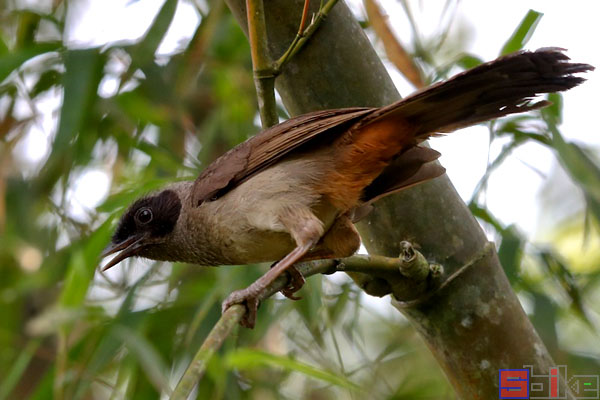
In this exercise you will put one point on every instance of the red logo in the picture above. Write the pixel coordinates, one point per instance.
(514, 383)
(525, 384)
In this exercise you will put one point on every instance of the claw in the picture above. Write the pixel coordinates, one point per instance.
(296, 281)
(249, 300)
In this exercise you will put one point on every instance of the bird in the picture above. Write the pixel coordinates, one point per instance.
(293, 192)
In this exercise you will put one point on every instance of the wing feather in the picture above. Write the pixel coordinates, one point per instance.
(266, 148)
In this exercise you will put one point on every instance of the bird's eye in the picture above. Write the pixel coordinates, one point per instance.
(143, 215)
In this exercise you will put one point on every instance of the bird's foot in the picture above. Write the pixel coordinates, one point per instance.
(295, 283)
(247, 297)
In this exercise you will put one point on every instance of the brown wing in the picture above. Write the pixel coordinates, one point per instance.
(266, 148)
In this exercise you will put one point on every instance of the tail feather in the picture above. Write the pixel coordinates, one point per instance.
(364, 169)
(504, 86)
(413, 166)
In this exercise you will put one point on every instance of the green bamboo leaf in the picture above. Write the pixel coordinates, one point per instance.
(468, 61)
(158, 29)
(581, 167)
(3, 47)
(341, 303)
(592, 209)
(544, 318)
(521, 129)
(43, 388)
(77, 281)
(125, 376)
(143, 52)
(250, 358)
(82, 267)
(106, 346)
(561, 272)
(141, 108)
(510, 252)
(309, 308)
(148, 358)
(484, 215)
(28, 25)
(17, 368)
(81, 79)
(13, 60)
(46, 80)
(523, 33)
(553, 113)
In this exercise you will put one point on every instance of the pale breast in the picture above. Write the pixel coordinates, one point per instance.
(248, 218)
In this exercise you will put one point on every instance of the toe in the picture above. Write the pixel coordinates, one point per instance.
(249, 301)
(249, 318)
(289, 293)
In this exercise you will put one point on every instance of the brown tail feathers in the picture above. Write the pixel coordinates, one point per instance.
(504, 86)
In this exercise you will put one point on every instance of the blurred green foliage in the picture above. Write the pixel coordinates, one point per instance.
(70, 332)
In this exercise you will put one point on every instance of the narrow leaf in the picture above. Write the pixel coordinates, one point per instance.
(561, 272)
(510, 252)
(582, 169)
(159, 27)
(3, 47)
(468, 61)
(393, 48)
(82, 267)
(248, 359)
(523, 33)
(147, 356)
(46, 80)
(145, 50)
(27, 28)
(81, 79)
(553, 113)
(12, 61)
(16, 370)
(80, 82)
(544, 319)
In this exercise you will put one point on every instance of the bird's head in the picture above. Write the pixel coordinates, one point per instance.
(147, 224)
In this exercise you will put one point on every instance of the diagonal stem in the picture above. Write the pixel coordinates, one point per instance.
(234, 314)
(264, 78)
(264, 69)
(303, 35)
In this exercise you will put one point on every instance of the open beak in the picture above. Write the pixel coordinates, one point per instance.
(130, 247)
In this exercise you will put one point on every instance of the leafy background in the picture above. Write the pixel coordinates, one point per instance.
(124, 116)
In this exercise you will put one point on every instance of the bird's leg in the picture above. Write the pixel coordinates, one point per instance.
(306, 230)
(341, 240)
(251, 295)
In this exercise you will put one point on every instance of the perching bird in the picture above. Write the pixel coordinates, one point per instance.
(292, 192)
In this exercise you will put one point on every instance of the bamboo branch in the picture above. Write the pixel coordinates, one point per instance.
(264, 69)
(264, 78)
(405, 265)
(213, 342)
(303, 35)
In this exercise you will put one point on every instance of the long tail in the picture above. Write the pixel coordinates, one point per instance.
(504, 86)
(497, 88)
